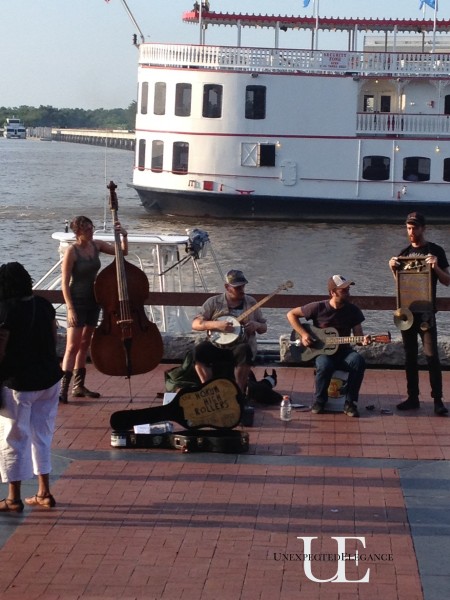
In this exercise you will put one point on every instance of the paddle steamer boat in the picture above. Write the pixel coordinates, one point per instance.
(308, 134)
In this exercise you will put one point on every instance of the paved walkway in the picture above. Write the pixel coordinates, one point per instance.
(160, 524)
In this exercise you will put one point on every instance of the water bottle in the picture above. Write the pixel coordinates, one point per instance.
(285, 409)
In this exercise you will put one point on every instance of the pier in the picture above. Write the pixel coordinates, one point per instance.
(112, 138)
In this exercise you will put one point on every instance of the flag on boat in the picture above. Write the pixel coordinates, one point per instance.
(431, 3)
(306, 2)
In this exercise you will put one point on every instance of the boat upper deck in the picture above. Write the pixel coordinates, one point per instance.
(314, 61)
(291, 60)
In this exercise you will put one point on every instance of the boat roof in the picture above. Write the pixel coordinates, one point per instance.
(133, 238)
(323, 23)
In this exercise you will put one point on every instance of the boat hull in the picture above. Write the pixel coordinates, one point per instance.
(281, 208)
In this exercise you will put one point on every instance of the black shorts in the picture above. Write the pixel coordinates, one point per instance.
(86, 316)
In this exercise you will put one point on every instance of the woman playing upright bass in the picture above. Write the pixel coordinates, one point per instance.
(80, 266)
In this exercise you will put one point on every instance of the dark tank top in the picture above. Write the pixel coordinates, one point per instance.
(84, 272)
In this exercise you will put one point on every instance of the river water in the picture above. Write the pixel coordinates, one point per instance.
(45, 183)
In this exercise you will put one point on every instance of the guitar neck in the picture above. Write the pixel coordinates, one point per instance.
(331, 340)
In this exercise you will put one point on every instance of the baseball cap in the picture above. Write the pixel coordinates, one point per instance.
(235, 278)
(338, 282)
(416, 218)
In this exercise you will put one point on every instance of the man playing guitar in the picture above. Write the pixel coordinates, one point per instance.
(218, 316)
(345, 317)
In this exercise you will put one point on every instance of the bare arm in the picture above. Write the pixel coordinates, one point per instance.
(442, 274)
(294, 316)
(358, 330)
(394, 265)
(108, 248)
(66, 270)
(202, 324)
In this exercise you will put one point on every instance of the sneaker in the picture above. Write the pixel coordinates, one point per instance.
(350, 409)
(439, 409)
(409, 404)
(317, 408)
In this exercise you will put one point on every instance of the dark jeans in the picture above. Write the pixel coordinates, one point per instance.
(222, 360)
(345, 360)
(430, 349)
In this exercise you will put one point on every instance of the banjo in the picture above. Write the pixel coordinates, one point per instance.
(226, 339)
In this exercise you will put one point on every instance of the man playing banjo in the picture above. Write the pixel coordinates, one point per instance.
(231, 344)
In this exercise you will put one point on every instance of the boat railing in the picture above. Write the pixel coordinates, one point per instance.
(402, 124)
(172, 263)
(401, 64)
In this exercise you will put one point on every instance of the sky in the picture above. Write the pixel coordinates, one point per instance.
(79, 53)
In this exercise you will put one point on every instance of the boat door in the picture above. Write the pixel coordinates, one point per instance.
(377, 102)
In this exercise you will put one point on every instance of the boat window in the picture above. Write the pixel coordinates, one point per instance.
(144, 98)
(183, 99)
(447, 105)
(255, 102)
(416, 168)
(159, 99)
(267, 155)
(157, 155)
(257, 155)
(446, 175)
(180, 158)
(376, 168)
(141, 155)
(212, 101)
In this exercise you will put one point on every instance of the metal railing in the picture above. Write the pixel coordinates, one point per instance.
(399, 64)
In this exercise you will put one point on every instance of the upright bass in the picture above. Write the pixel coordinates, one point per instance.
(125, 343)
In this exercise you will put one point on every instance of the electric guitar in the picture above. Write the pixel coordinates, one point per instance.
(226, 339)
(327, 341)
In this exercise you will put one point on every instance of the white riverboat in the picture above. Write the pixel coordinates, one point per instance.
(14, 129)
(347, 135)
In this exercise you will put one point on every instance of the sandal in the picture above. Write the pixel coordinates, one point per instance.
(43, 501)
(8, 505)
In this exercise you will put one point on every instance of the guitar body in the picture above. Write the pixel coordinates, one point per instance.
(323, 343)
(327, 341)
(228, 339)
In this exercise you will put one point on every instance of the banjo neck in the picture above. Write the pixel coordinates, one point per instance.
(249, 311)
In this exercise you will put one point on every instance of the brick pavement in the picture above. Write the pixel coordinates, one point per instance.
(143, 524)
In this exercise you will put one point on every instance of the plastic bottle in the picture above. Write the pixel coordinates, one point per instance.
(286, 409)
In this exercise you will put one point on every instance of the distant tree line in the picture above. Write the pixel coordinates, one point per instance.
(72, 118)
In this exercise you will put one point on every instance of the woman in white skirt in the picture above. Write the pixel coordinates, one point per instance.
(30, 374)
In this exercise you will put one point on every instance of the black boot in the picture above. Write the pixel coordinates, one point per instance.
(64, 389)
(78, 390)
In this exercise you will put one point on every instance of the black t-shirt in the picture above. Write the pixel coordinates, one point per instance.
(433, 249)
(324, 315)
(30, 362)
